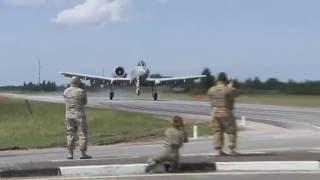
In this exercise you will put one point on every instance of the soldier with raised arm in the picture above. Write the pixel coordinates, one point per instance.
(222, 97)
(75, 120)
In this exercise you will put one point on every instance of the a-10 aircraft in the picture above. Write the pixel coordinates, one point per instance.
(140, 73)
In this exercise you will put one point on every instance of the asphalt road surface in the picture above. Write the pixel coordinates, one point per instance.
(290, 130)
(288, 117)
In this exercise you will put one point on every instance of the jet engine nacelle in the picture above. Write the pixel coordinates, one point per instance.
(119, 72)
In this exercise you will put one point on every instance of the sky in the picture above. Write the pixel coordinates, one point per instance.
(244, 38)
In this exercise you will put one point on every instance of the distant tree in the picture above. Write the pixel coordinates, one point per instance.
(273, 83)
(155, 76)
(158, 76)
(236, 83)
(257, 84)
(248, 84)
(209, 80)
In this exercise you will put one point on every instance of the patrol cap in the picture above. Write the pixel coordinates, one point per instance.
(177, 120)
(75, 81)
(222, 76)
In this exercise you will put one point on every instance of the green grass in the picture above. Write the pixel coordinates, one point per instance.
(283, 100)
(276, 99)
(45, 126)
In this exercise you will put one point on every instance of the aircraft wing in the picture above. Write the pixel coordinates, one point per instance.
(182, 78)
(93, 77)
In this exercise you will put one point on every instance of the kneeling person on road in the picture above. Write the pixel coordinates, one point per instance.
(174, 139)
(75, 120)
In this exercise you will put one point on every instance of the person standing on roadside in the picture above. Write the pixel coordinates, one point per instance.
(75, 120)
(222, 97)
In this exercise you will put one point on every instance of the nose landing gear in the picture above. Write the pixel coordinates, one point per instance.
(138, 86)
(138, 92)
(154, 93)
(111, 93)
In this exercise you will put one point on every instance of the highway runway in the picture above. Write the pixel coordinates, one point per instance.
(297, 131)
(287, 117)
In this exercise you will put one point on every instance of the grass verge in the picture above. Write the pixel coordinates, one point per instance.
(42, 125)
(282, 100)
(275, 99)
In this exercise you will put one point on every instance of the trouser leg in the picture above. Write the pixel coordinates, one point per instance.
(83, 134)
(168, 155)
(83, 137)
(71, 131)
(218, 139)
(231, 130)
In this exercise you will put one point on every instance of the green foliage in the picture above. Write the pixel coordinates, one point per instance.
(44, 86)
(290, 87)
(208, 81)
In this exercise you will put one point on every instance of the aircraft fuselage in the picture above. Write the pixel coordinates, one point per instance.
(140, 72)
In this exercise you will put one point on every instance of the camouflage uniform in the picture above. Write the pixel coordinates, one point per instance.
(76, 99)
(174, 139)
(223, 121)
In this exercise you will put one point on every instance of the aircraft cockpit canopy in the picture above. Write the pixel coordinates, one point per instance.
(142, 63)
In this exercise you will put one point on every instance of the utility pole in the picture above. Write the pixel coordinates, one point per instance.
(39, 72)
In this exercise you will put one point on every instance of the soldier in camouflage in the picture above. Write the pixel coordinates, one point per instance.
(222, 97)
(75, 120)
(174, 139)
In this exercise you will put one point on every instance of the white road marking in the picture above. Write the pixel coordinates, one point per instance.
(314, 151)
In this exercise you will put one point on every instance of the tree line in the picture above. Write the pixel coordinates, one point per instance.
(250, 85)
(30, 86)
(271, 85)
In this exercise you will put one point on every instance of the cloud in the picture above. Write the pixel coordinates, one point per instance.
(94, 12)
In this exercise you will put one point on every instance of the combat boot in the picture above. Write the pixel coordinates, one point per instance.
(234, 153)
(84, 155)
(70, 154)
(150, 166)
(220, 153)
(173, 167)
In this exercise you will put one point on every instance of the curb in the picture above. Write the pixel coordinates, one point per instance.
(138, 169)
(131, 169)
(269, 166)
(112, 170)
(29, 172)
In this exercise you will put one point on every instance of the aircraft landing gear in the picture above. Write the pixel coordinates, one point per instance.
(138, 92)
(155, 96)
(138, 86)
(154, 93)
(111, 93)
